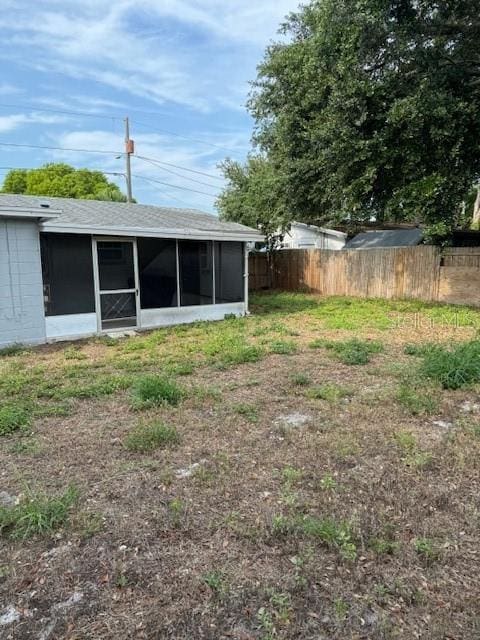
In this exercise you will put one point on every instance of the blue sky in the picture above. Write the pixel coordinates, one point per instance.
(173, 66)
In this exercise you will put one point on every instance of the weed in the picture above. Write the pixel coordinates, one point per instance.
(26, 446)
(248, 411)
(328, 483)
(216, 581)
(412, 456)
(384, 546)
(88, 524)
(291, 476)
(330, 391)
(300, 379)
(355, 351)
(331, 533)
(176, 509)
(12, 418)
(37, 514)
(283, 347)
(453, 367)
(417, 401)
(148, 436)
(265, 623)
(155, 391)
(341, 609)
(74, 353)
(13, 350)
(426, 549)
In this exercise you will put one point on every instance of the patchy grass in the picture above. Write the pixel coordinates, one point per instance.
(330, 391)
(155, 391)
(37, 514)
(13, 350)
(148, 436)
(354, 351)
(274, 515)
(13, 417)
(453, 367)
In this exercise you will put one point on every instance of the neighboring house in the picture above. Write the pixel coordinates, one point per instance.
(386, 239)
(74, 268)
(308, 236)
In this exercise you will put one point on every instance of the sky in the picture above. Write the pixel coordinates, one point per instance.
(72, 70)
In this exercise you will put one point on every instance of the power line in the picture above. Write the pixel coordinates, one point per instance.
(179, 135)
(175, 186)
(38, 146)
(179, 175)
(102, 116)
(176, 166)
(169, 195)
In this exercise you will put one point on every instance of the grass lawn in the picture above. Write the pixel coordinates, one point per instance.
(309, 472)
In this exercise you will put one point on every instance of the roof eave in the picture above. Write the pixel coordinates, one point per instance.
(181, 234)
(29, 213)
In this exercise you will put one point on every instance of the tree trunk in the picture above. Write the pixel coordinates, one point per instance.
(476, 211)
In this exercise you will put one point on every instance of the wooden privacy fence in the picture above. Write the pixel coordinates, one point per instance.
(423, 273)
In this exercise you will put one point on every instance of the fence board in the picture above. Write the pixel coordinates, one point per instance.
(421, 272)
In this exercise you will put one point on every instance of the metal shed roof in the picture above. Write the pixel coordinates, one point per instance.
(128, 219)
(385, 239)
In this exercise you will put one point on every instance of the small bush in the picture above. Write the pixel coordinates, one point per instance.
(355, 351)
(155, 391)
(453, 367)
(148, 436)
(283, 347)
(12, 418)
(329, 391)
(37, 515)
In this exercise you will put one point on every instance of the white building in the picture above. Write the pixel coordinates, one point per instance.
(308, 236)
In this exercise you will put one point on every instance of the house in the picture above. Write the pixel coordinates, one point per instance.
(384, 239)
(75, 268)
(309, 236)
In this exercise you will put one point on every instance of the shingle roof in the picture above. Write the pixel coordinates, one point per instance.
(380, 239)
(94, 216)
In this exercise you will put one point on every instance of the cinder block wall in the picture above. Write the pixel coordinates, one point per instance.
(22, 317)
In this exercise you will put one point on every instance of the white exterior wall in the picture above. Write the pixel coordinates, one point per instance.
(22, 318)
(302, 236)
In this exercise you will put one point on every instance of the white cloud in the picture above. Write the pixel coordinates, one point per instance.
(14, 121)
(125, 44)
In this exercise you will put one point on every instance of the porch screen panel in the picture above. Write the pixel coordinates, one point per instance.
(229, 268)
(157, 266)
(196, 272)
(67, 269)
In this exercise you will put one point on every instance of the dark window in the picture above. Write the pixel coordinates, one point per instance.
(115, 265)
(157, 265)
(229, 267)
(196, 277)
(67, 268)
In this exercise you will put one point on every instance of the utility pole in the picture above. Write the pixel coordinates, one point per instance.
(129, 150)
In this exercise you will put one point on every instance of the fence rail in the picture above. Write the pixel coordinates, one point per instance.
(423, 273)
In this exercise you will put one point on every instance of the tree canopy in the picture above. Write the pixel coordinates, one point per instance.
(62, 180)
(369, 109)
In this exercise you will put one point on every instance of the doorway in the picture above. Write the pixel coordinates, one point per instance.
(116, 284)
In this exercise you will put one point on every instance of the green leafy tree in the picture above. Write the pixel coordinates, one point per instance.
(371, 108)
(62, 180)
(254, 195)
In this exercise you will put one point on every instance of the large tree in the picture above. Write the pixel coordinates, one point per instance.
(253, 195)
(58, 179)
(371, 108)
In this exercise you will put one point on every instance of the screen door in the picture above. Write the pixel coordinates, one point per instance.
(117, 284)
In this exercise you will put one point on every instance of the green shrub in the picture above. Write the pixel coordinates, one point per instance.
(155, 391)
(355, 351)
(248, 411)
(453, 367)
(12, 418)
(148, 436)
(37, 514)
